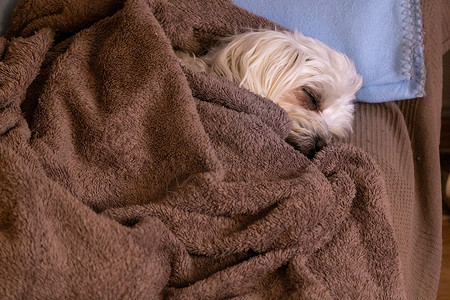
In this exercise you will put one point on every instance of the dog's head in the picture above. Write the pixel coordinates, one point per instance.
(315, 84)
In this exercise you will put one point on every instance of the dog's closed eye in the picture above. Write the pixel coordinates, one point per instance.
(313, 103)
(303, 97)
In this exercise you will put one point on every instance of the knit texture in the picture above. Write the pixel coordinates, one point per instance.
(403, 137)
(124, 175)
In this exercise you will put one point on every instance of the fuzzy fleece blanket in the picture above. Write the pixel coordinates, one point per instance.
(125, 176)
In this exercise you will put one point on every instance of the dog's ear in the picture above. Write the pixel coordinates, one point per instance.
(302, 97)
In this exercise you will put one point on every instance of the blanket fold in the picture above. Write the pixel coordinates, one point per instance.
(124, 175)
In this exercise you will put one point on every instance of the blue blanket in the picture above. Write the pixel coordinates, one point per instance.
(383, 37)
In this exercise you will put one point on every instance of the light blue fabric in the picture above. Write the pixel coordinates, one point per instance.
(383, 37)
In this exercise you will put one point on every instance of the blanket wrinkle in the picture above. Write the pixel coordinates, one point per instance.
(124, 175)
(230, 97)
(244, 232)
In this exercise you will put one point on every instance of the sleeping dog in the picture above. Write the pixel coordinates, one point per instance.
(315, 84)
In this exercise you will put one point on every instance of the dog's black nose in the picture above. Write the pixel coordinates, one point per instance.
(320, 143)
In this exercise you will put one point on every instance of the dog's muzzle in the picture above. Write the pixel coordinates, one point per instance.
(306, 144)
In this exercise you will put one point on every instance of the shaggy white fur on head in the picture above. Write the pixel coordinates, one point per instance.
(315, 84)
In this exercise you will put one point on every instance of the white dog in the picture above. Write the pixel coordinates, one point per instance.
(315, 84)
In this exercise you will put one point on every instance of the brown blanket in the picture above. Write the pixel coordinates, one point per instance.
(123, 175)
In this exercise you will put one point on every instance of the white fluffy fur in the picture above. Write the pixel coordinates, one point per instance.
(282, 66)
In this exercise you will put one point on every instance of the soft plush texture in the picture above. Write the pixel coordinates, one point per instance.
(384, 38)
(126, 176)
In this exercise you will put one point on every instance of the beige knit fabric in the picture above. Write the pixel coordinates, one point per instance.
(445, 25)
(403, 137)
